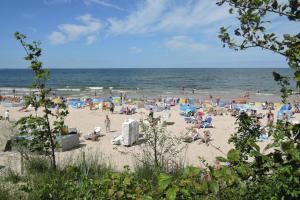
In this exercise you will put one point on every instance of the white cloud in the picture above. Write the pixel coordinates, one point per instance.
(135, 49)
(91, 39)
(167, 15)
(57, 38)
(185, 43)
(141, 20)
(50, 2)
(104, 3)
(88, 29)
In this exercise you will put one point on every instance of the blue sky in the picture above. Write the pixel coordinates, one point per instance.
(127, 33)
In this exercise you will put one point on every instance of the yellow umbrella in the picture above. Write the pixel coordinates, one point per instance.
(57, 101)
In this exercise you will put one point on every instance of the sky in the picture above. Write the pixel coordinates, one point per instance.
(128, 34)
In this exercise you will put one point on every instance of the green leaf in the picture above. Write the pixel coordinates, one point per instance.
(213, 186)
(202, 187)
(233, 155)
(191, 171)
(127, 180)
(171, 192)
(221, 159)
(163, 181)
(297, 76)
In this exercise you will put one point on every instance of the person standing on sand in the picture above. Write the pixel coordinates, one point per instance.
(270, 117)
(91, 105)
(151, 114)
(112, 107)
(107, 124)
(6, 115)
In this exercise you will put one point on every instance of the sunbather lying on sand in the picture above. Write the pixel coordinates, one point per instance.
(206, 137)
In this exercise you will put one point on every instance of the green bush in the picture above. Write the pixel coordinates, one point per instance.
(37, 164)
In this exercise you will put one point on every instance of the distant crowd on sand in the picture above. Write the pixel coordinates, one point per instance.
(198, 113)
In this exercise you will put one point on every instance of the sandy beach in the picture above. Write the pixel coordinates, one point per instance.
(85, 120)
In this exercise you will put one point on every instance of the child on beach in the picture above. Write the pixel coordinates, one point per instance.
(107, 124)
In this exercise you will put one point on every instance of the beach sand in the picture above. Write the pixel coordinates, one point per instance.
(85, 120)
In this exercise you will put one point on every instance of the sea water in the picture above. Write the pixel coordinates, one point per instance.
(152, 82)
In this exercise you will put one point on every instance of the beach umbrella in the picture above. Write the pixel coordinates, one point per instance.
(97, 100)
(188, 110)
(285, 107)
(57, 101)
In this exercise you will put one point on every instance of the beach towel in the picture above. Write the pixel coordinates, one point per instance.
(117, 140)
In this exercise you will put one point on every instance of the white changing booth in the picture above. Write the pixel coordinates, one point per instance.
(130, 132)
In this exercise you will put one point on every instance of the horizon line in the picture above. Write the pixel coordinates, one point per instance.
(7, 68)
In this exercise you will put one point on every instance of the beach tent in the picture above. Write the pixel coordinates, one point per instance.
(223, 103)
(187, 108)
(97, 100)
(243, 107)
(284, 109)
(76, 104)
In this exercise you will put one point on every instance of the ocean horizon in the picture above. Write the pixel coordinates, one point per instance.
(224, 82)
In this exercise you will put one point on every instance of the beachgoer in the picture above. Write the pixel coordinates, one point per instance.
(151, 114)
(127, 111)
(270, 117)
(121, 97)
(257, 123)
(206, 138)
(107, 124)
(285, 117)
(94, 136)
(183, 90)
(218, 101)
(290, 106)
(112, 107)
(193, 91)
(6, 115)
(91, 105)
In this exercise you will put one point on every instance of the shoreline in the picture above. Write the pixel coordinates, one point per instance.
(138, 93)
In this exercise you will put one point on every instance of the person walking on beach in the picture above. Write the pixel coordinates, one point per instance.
(6, 115)
(107, 124)
(112, 107)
